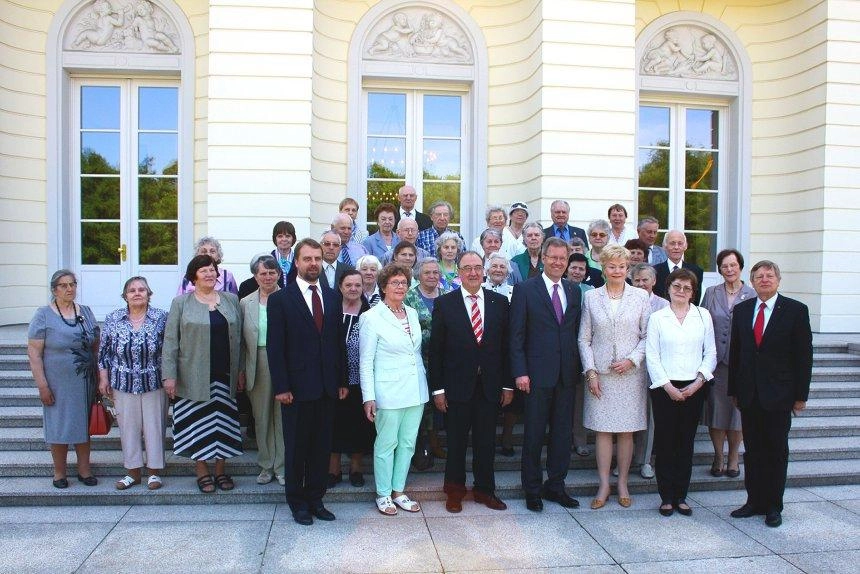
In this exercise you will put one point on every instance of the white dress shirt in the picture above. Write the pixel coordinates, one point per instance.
(676, 351)
(561, 294)
(410, 216)
(308, 294)
(768, 310)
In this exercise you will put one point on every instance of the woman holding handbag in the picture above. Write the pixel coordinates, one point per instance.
(62, 340)
(130, 374)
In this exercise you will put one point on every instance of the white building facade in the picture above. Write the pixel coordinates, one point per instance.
(129, 128)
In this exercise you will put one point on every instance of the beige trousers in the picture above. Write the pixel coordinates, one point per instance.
(267, 418)
(142, 415)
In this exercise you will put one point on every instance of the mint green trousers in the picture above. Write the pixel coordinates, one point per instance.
(396, 431)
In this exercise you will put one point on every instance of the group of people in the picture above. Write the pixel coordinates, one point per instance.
(341, 343)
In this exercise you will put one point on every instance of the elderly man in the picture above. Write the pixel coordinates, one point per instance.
(407, 196)
(441, 213)
(332, 269)
(647, 230)
(350, 249)
(559, 210)
(675, 244)
(770, 366)
(407, 230)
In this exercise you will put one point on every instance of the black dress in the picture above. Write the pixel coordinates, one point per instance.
(353, 433)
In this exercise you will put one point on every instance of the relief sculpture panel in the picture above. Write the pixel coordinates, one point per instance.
(688, 52)
(418, 34)
(123, 26)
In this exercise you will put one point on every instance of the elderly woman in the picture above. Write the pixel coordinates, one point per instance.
(352, 434)
(497, 220)
(200, 366)
(384, 240)
(490, 241)
(529, 262)
(598, 237)
(681, 357)
(225, 281)
(349, 206)
(254, 371)
(721, 417)
(612, 348)
(619, 233)
(497, 270)
(448, 249)
(369, 266)
(62, 342)
(393, 387)
(130, 373)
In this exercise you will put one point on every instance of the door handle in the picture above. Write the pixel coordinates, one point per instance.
(123, 252)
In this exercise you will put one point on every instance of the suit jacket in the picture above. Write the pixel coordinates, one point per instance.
(571, 230)
(250, 307)
(662, 271)
(779, 371)
(422, 219)
(456, 358)
(716, 301)
(375, 245)
(658, 255)
(605, 338)
(302, 360)
(339, 268)
(541, 348)
(392, 372)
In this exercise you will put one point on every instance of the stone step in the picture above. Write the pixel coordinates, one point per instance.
(835, 360)
(13, 362)
(821, 374)
(13, 349)
(16, 379)
(29, 491)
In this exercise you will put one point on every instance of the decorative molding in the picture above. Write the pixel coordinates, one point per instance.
(688, 51)
(418, 34)
(133, 26)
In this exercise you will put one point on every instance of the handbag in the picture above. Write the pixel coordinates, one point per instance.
(100, 418)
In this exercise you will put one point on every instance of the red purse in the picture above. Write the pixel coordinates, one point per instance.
(100, 418)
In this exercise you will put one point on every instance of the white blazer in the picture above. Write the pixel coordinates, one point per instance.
(390, 365)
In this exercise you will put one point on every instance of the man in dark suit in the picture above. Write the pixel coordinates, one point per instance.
(675, 243)
(332, 269)
(559, 210)
(408, 196)
(470, 378)
(647, 230)
(307, 361)
(770, 366)
(545, 363)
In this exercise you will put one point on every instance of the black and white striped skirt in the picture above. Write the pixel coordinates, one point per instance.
(206, 430)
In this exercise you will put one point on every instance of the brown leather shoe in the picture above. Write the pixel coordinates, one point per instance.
(455, 493)
(491, 501)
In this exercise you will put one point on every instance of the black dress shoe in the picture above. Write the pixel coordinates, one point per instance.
(666, 511)
(773, 518)
(534, 503)
(733, 473)
(303, 517)
(88, 480)
(745, 511)
(356, 479)
(683, 511)
(323, 514)
(562, 498)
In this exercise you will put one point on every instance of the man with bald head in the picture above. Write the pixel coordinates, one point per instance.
(407, 230)
(675, 244)
(407, 196)
(350, 249)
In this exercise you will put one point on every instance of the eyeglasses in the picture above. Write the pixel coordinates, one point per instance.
(472, 269)
(681, 288)
(598, 234)
(398, 283)
(71, 285)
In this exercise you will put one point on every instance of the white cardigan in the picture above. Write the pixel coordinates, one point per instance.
(390, 365)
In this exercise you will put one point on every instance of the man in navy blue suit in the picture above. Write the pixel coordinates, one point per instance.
(307, 360)
(545, 364)
(559, 210)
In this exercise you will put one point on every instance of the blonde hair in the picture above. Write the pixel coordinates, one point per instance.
(613, 251)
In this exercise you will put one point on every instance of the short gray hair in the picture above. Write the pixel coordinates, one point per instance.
(497, 255)
(491, 209)
(489, 231)
(535, 224)
(416, 272)
(765, 264)
(577, 242)
(267, 261)
(441, 203)
(647, 219)
(370, 259)
(448, 236)
(670, 232)
(640, 268)
(600, 224)
(209, 240)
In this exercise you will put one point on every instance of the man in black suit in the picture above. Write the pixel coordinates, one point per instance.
(332, 269)
(559, 210)
(307, 361)
(675, 243)
(470, 378)
(770, 366)
(408, 196)
(545, 363)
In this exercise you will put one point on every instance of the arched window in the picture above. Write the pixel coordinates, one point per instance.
(417, 108)
(693, 135)
(120, 142)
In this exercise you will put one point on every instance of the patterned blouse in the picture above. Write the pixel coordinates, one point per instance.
(350, 323)
(133, 358)
(424, 307)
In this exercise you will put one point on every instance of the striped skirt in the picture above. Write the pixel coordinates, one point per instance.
(206, 430)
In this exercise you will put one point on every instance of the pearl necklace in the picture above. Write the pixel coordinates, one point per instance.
(395, 311)
(735, 291)
(615, 297)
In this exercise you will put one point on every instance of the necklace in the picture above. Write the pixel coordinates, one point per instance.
(395, 311)
(681, 317)
(75, 318)
(136, 323)
(611, 296)
(735, 291)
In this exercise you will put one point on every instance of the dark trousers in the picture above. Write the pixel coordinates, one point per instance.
(674, 434)
(544, 405)
(307, 446)
(765, 456)
(479, 416)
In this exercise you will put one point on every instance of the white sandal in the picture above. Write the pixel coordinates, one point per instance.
(154, 482)
(126, 482)
(385, 506)
(407, 503)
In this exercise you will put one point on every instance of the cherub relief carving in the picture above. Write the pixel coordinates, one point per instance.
(434, 38)
(688, 52)
(135, 26)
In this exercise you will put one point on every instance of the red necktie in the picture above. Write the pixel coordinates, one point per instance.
(477, 323)
(758, 327)
(316, 303)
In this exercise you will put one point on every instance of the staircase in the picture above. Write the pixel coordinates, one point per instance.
(824, 443)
